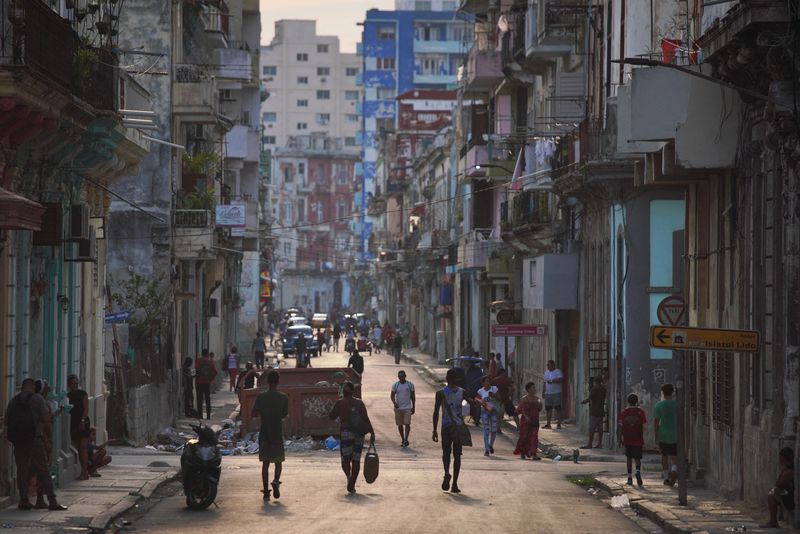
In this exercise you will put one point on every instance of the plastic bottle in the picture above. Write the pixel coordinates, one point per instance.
(557, 458)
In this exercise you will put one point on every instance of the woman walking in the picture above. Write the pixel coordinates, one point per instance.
(233, 367)
(487, 397)
(529, 408)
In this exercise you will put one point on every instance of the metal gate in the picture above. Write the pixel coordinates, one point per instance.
(599, 365)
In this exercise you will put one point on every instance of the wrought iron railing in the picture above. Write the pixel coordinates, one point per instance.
(193, 218)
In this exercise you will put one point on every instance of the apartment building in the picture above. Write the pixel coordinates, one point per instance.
(311, 128)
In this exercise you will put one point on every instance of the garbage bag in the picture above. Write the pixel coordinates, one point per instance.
(331, 443)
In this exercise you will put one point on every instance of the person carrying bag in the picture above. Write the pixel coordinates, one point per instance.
(371, 464)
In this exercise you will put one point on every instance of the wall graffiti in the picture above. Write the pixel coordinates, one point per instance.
(318, 407)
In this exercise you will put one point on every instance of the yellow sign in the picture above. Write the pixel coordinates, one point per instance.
(712, 339)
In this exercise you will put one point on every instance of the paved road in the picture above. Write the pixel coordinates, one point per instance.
(501, 491)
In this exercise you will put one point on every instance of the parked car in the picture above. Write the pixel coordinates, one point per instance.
(319, 320)
(297, 320)
(290, 338)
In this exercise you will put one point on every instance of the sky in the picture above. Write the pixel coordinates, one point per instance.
(334, 17)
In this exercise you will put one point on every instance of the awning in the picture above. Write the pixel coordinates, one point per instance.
(19, 213)
(418, 210)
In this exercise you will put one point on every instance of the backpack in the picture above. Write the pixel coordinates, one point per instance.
(632, 426)
(205, 372)
(357, 424)
(21, 424)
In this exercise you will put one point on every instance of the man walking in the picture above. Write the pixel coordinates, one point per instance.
(25, 417)
(552, 393)
(337, 333)
(354, 423)
(300, 348)
(356, 362)
(272, 407)
(259, 350)
(404, 399)
(449, 399)
(665, 427)
(206, 371)
(397, 347)
(597, 412)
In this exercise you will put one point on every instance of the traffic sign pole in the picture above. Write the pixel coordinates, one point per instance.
(680, 360)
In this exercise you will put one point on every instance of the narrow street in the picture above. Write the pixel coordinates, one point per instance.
(502, 490)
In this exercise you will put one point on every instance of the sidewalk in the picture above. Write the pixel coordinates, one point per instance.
(130, 479)
(706, 510)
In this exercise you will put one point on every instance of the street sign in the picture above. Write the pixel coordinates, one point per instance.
(682, 338)
(515, 330)
(118, 317)
(672, 311)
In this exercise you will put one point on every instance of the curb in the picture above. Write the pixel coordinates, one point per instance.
(100, 522)
(657, 513)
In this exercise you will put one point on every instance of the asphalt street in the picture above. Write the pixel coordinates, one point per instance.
(499, 492)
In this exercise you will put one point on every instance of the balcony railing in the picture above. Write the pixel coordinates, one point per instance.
(193, 219)
(529, 208)
(476, 247)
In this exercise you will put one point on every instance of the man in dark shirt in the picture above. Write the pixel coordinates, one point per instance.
(356, 361)
(272, 407)
(597, 412)
(30, 451)
(354, 423)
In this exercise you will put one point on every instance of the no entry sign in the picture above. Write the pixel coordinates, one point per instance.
(672, 311)
(519, 330)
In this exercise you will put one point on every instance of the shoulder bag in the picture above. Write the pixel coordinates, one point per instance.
(460, 432)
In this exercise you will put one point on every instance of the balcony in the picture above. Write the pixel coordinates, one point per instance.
(438, 47)
(242, 142)
(434, 79)
(687, 134)
(484, 68)
(215, 18)
(551, 30)
(475, 248)
(194, 234)
(235, 62)
(194, 95)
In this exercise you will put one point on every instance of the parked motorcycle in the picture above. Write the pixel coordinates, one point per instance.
(201, 468)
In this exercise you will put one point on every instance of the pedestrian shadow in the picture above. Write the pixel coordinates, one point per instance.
(361, 498)
(275, 509)
(460, 498)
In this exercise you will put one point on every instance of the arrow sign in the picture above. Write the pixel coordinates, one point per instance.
(118, 317)
(714, 339)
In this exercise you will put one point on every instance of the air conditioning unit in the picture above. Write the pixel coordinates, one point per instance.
(213, 308)
(78, 222)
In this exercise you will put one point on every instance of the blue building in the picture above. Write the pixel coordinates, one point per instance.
(401, 50)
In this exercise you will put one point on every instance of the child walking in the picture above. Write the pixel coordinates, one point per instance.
(631, 434)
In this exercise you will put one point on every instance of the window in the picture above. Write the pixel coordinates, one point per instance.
(422, 5)
(323, 95)
(428, 33)
(386, 63)
(386, 33)
(341, 210)
(269, 70)
(351, 71)
(723, 387)
(323, 118)
(386, 93)
(269, 139)
(351, 95)
(301, 168)
(322, 48)
(288, 173)
(302, 126)
(301, 210)
(269, 116)
(340, 172)
(532, 274)
(449, 5)
(287, 247)
(302, 57)
(351, 117)
(349, 141)
(323, 71)
(302, 103)
(302, 80)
